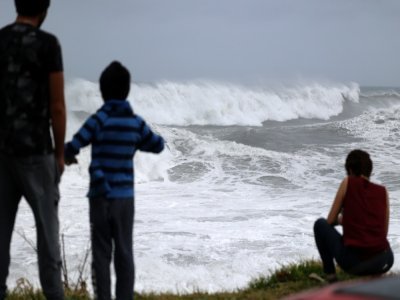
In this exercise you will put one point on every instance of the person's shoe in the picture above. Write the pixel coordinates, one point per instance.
(316, 277)
(331, 278)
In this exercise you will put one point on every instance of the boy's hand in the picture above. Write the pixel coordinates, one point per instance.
(70, 160)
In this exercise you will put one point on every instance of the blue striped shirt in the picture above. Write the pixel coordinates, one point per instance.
(115, 134)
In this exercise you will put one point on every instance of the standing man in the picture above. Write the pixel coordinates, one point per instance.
(32, 130)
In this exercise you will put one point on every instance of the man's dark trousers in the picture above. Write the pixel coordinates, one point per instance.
(36, 179)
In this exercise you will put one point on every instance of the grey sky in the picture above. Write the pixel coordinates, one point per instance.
(250, 40)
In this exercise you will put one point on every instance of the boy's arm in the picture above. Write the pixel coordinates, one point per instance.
(82, 138)
(150, 142)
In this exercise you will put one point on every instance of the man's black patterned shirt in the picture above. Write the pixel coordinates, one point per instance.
(27, 57)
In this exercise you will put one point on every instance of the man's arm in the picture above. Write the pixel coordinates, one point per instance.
(58, 116)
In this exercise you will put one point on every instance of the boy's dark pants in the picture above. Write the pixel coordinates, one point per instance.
(35, 178)
(111, 222)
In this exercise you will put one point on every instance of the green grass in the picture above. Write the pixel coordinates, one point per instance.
(25, 290)
(282, 282)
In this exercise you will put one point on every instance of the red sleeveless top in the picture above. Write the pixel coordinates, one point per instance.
(364, 216)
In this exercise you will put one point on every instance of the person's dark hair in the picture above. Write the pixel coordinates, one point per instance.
(31, 8)
(115, 82)
(358, 163)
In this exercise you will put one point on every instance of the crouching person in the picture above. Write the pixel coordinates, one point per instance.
(362, 208)
(115, 133)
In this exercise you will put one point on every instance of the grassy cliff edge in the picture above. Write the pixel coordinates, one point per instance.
(284, 281)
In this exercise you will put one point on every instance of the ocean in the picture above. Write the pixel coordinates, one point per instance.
(246, 171)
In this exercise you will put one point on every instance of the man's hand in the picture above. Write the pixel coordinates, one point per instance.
(60, 164)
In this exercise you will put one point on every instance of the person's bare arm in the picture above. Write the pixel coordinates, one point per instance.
(58, 115)
(337, 203)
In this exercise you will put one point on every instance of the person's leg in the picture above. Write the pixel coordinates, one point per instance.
(329, 242)
(330, 246)
(10, 197)
(122, 230)
(39, 179)
(99, 211)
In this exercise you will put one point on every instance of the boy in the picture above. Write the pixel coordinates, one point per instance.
(115, 133)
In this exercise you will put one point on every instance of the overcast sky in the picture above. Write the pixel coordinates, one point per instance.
(249, 40)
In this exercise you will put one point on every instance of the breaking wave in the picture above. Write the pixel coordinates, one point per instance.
(221, 104)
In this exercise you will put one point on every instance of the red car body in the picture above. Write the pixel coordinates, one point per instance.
(387, 288)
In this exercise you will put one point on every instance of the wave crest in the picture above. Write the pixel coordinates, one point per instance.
(210, 103)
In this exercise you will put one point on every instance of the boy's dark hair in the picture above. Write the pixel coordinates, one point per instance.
(115, 82)
(31, 8)
(358, 163)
